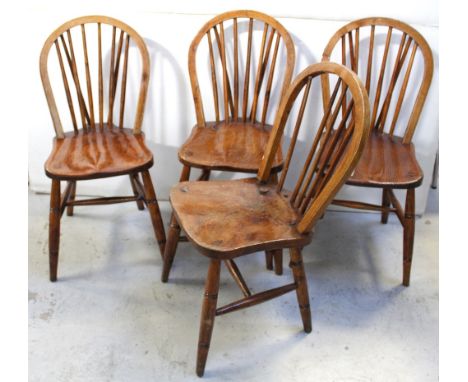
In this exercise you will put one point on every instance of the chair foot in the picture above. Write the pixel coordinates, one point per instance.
(54, 229)
(170, 249)
(408, 235)
(301, 288)
(155, 213)
(208, 315)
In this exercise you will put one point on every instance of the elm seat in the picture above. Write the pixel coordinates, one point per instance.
(261, 219)
(387, 160)
(229, 146)
(98, 153)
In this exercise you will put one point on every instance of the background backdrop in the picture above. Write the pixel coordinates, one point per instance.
(168, 28)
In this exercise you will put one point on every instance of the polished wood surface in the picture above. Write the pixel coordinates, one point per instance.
(228, 219)
(395, 80)
(387, 162)
(260, 218)
(98, 154)
(97, 144)
(83, 105)
(249, 58)
(233, 146)
(386, 75)
(231, 97)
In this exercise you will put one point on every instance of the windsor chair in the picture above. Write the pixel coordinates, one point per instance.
(249, 58)
(395, 83)
(228, 219)
(99, 146)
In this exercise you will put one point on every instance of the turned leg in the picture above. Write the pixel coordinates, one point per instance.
(139, 202)
(173, 236)
(278, 258)
(171, 247)
(54, 229)
(155, 213)
(385, 205)
(408, 235)
(208, 314)
(205, 175)
(269, 260)
(275, 255)
(72, 197)
(301, 289)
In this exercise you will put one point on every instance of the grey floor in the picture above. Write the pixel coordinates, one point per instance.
(109, 318)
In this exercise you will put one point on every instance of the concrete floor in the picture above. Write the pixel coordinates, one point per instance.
(109, 318)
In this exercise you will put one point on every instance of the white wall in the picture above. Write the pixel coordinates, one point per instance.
(168, 28)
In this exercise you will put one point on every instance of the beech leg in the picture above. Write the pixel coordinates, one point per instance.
(139, 202)
(301, 288)
(208, 314)
(408, 235)
(385, 205)
(54, 229)
(155, 213)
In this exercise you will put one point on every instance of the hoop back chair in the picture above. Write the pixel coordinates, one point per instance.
(98, 145)
(249, 58)
(397, 84)
(228, 219)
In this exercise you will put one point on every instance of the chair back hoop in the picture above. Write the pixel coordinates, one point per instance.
(391, 80)
(80, 100)
(242, 77)
(337, 143)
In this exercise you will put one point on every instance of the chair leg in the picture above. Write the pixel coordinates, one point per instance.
(155, 213)
(139, 203)
(385, 205)
(208, 314)
(269, 260)
(301, 288)
(278, 258)
(170, 249)
(205, 175)
(173, 236)
(71, 198)
(408, 235)
(275, 255)
(54, 229)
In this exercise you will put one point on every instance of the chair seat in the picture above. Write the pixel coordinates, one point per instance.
(98, 154)
(225, 219)
(387, 162)
(228, 146)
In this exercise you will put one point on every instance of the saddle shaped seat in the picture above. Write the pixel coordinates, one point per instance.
(228, 146)
(387, 161)
(261, 217)
(98, 153)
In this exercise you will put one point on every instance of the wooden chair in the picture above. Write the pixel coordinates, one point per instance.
(228, 219)
(99, 146)
(249, 57)
(397, 80)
